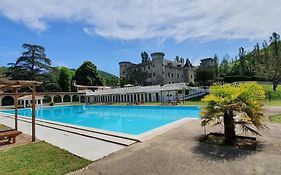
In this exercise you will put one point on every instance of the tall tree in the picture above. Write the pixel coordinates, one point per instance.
(65, 79)
(177, 59)
(242, 60)
(224, 68)
(205, 75)
(216, 65)
(275, 60)
(87, 74)
(144, 57)
(31, 64)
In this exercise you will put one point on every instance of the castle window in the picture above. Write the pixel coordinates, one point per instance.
(153, 74)
(123, 72)
(143, 68)
(125, 65)
(178, 75)
(168, 74)
(163, 72)
(148, 67)
(190, 76)
(172, 74)
(153, 65)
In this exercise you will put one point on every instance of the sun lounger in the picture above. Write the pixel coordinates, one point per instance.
(9, 134)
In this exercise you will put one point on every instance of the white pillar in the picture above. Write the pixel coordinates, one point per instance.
(52, 98)
(62, 97)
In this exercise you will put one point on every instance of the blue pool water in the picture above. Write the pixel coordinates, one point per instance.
(126, 119)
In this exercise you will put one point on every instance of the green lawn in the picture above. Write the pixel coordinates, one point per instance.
(276, 118)
(2, 127)
(275, 96)
(39, 158)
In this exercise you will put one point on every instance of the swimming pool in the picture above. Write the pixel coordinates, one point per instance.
(133, 120)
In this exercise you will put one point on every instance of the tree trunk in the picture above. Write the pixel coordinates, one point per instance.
(229, 128)
(274, 86)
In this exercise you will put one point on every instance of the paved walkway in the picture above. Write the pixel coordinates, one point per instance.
(179, 152)
(89, 148)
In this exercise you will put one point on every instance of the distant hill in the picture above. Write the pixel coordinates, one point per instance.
(110, 80)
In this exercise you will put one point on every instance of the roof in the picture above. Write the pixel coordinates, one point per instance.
(140, 89)
(92, 87)
(29, 97)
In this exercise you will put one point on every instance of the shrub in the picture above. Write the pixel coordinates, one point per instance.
(231, 105)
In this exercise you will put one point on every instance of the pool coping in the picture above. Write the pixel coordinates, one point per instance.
(137, 138)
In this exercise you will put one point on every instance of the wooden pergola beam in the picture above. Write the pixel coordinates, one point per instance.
(15, 85)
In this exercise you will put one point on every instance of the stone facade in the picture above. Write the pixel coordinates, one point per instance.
(160, 70)
(207, 62)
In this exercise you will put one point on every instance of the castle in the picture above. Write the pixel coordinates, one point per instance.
(160, 71)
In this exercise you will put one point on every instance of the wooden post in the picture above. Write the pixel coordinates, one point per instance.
(33, 111)
(16, 108)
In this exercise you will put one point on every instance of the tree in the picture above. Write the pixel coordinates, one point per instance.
(216, 65)
(205, 75)
(31, 65)
(87, 74)
(137, 77)
(144, 57)
(275, 60)
(224, 68)
(65, 79)
(177, 59)
(232, 105)
(109, 79)
(242, 60)
(50, 81)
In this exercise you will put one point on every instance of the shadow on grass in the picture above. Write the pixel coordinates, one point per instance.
(216, 152)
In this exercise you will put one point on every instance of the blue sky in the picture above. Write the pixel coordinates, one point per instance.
(107, 33)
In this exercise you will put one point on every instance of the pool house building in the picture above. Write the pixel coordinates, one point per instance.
(138, 94)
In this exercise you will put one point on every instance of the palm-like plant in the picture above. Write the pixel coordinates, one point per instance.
(32, 63)
(231, 105)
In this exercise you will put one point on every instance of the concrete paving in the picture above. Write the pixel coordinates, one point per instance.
(89, 148)
(178, 151)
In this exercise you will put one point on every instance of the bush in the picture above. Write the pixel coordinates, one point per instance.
(231, 79)
(51, 104)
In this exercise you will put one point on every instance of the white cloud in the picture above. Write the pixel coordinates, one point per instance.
(141, 19)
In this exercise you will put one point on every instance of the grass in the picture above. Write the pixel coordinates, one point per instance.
(3, 127)
(275, 118)
(274, 96)
(39, 158)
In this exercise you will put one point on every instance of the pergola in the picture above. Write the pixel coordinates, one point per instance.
(15, 85)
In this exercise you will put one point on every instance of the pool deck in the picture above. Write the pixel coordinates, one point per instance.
(87, 147)
(178, 151)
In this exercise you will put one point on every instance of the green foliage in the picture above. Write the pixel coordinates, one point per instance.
(235, 105)
(205, 75)
(65, 79)
(3, 71)
(137, 77)
(31, 65)
(87, 74)
(260, 62)
(144, 57)
(39, 158)
(50, 81)
(109, 79)
(276, 118)
(51, 104)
